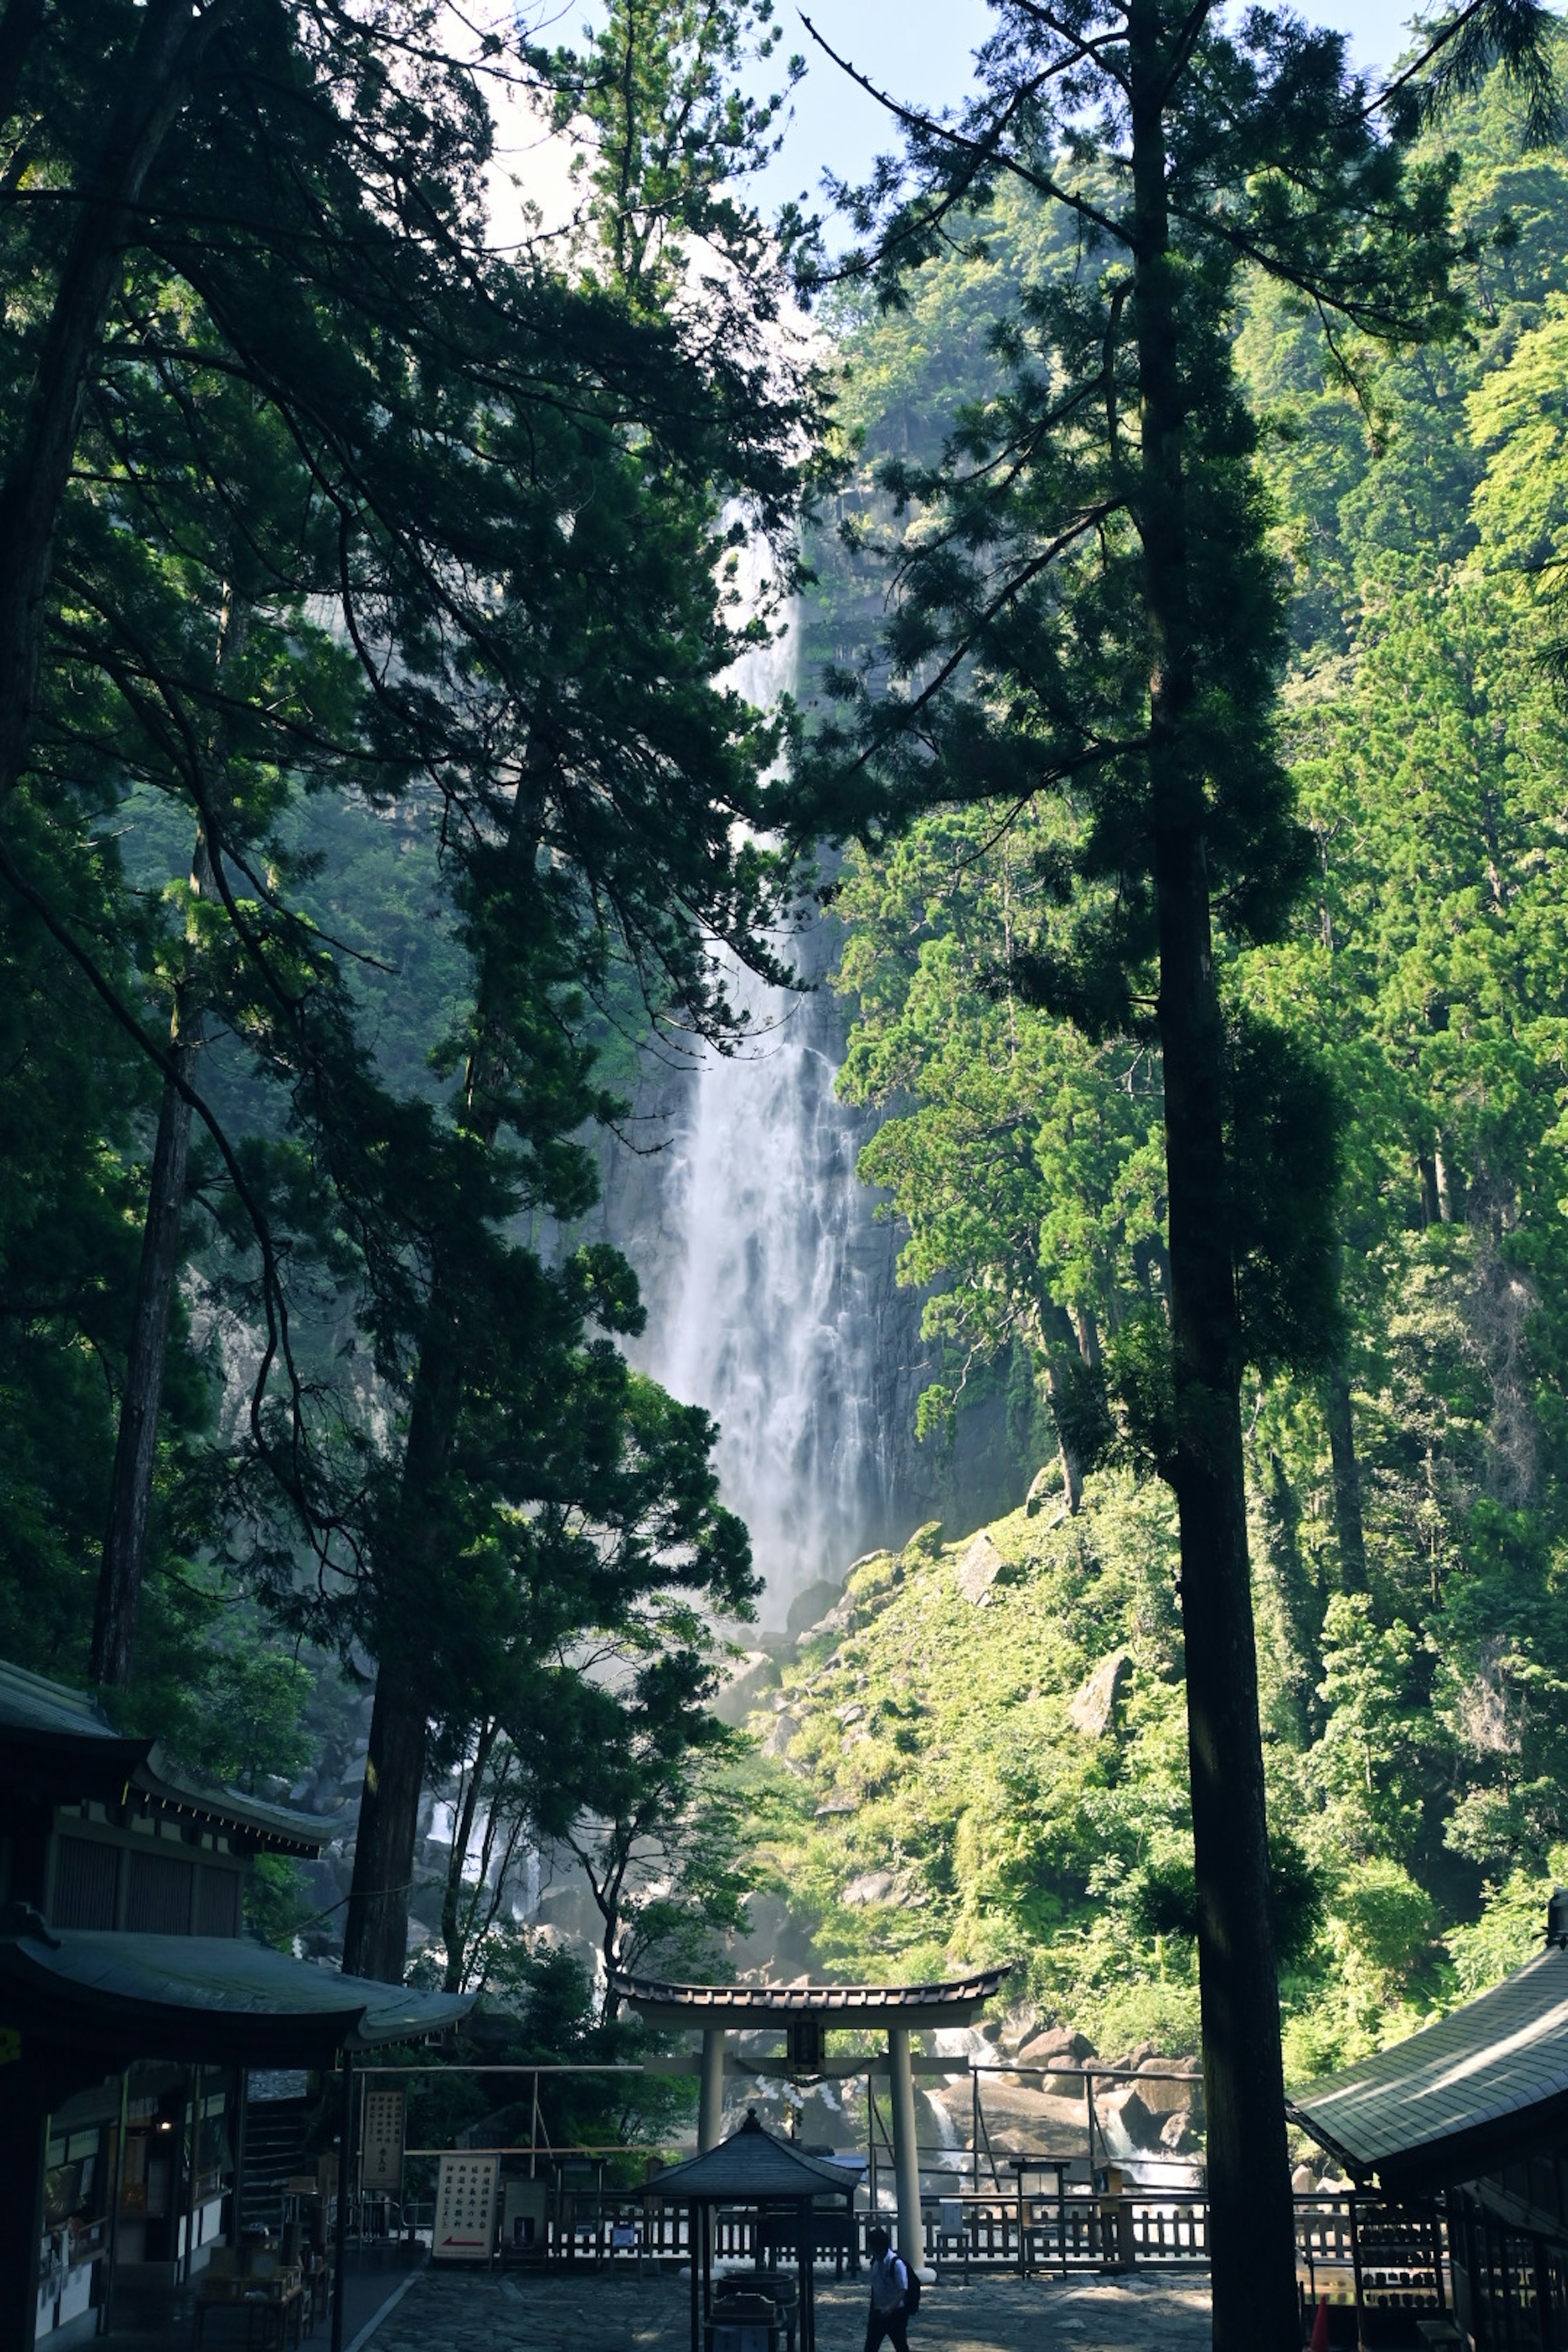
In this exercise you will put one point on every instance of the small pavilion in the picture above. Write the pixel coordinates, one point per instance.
(753, 2166)
(807, 2014)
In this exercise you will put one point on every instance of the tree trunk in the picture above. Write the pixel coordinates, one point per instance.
(130, 1491)
(452, 1923)
(136, 1446)
(19, 27)
(1250, 2219)
(376, 1934)
(156, 78)
(375, 1939)
(1348, 1525)
(1067, 1447)
(1300, 1597)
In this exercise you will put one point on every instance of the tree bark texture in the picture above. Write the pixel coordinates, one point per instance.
(375, 1935)
(130, 1491)
(1250, 2219)
(156, 80)
(1348, 1527)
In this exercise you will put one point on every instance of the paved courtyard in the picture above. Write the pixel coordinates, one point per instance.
(582, 2313)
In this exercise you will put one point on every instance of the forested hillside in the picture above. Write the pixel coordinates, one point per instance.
(1408, 1511)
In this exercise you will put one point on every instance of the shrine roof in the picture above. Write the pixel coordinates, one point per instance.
(60, 1745)
(753, 2164)
(736, 2007)
(201, 1999)
(1487, 2082)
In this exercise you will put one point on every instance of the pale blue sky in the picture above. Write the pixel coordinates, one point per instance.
(920, 50)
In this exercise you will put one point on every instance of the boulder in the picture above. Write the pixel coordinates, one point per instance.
(1093, 1710)
(979, 1568)
(1042, 1486)
(810, 1607)
(785, 1726)
(1176, 2133)
(1125, 2107)
(849, 1715)
(871, 1887)
(1168, 2098)
(1056, 2046)
(926, 1541)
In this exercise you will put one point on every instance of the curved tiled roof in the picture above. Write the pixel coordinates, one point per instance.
(754, 2163)
(1461, 2094)
(952, 2002)
(57, 1735)
(204, 1997)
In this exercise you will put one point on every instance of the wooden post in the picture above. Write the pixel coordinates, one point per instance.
(116, 2196)
(345, 2181)
(192, 2178)
(693, 2236)
(1356, 2274)
(241, 2125)
(975, 2119)
(710, 2106)
(24, 2129)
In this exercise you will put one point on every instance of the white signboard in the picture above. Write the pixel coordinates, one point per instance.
(381, 2141)
(465, 2208)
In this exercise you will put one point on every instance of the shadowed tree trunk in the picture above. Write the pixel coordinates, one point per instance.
(375, 1933)
(135, 1452)
(1348, 1525)
(1251, 2222)
(155, 81)
(136, 1445)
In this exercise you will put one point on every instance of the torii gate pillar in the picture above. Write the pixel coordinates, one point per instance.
(710, 2106)
(906, 2150)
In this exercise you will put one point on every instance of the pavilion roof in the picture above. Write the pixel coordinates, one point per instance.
(59, 1744)
(753, 2165)
(1486, 2083)
(739, 2006)
(205, 2000)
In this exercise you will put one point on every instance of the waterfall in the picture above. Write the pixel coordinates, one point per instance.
(770, 1321)
(771, 1292)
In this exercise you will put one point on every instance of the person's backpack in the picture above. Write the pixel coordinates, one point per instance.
(911, 2290)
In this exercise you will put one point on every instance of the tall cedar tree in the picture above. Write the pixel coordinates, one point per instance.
(448, 414)
(641, 874)
(1086, 609)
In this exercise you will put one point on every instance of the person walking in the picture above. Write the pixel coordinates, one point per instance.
(890, 2299)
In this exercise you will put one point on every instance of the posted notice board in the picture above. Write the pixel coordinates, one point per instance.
(465, 2208)
(381, 2141)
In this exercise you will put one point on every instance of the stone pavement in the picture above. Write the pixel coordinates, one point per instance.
(579, 2312)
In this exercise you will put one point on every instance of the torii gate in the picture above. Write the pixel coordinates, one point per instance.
(809, 2013)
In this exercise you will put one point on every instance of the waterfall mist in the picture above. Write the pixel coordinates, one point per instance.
(769, 1302)
(769, 1295)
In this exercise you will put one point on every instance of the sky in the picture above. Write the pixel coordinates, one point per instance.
(919, 51)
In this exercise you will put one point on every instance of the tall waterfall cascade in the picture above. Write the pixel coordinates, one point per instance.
(772, 1292)
(776, 1276)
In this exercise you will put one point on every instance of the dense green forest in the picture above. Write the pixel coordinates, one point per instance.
(1173, 501)
(1406, 1507)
